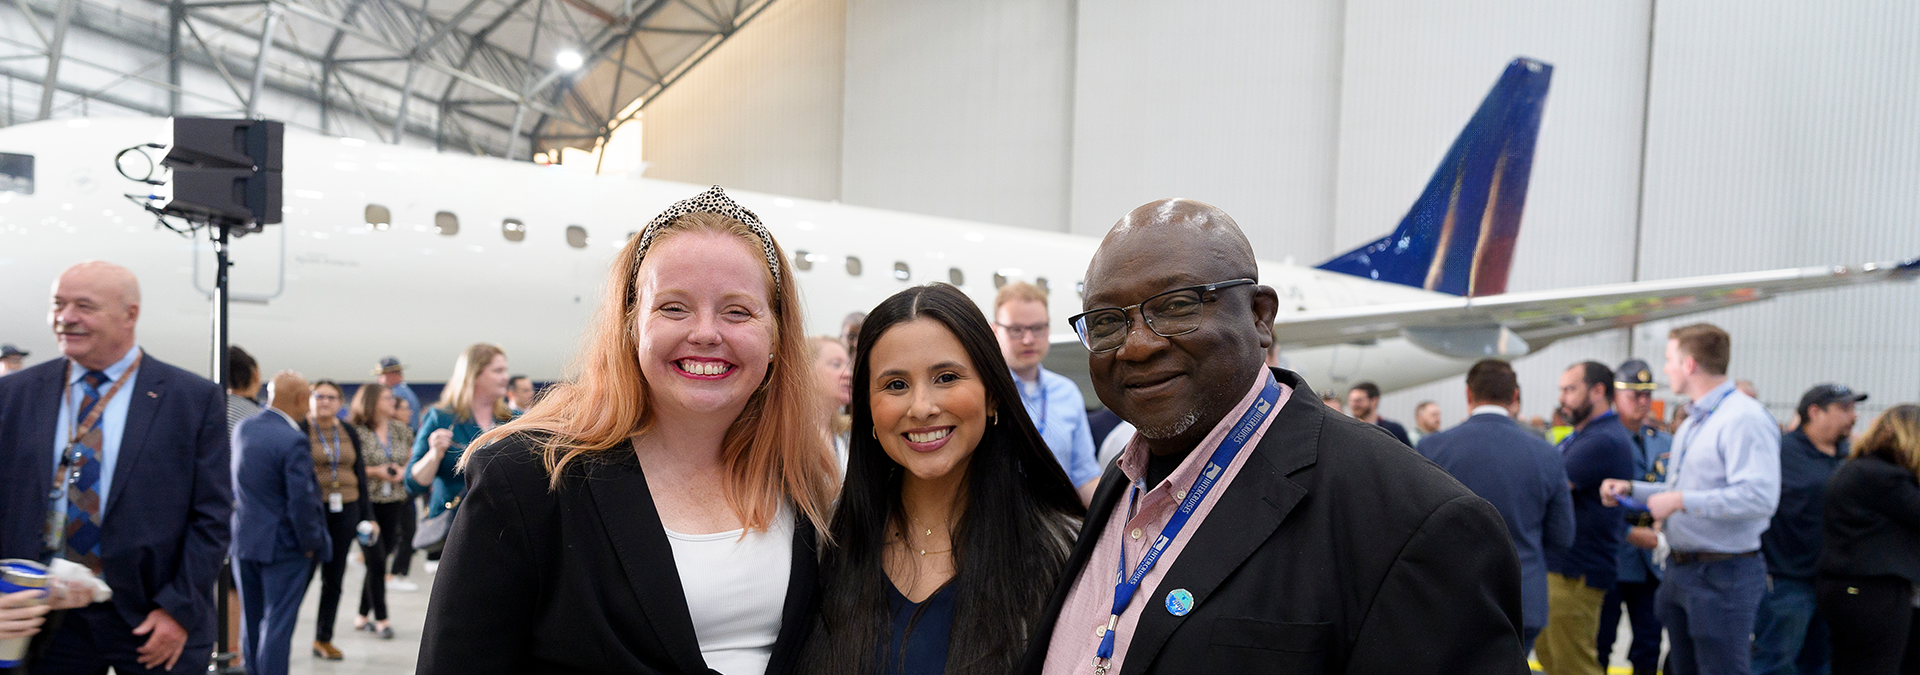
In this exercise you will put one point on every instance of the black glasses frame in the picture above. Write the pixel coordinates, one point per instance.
(1079, 324)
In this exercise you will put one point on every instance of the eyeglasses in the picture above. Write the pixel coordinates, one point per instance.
(1175, 312)
(1016, 332)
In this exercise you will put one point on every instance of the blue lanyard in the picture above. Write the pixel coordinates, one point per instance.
(1230, 446)
(333, 452)
(1040, 420)
(1681, 445)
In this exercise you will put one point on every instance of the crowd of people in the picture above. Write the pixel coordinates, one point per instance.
(715, 491)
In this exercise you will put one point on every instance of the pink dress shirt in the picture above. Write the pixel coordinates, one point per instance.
(1083, 619)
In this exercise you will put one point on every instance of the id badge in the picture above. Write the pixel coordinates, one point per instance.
(335, 504)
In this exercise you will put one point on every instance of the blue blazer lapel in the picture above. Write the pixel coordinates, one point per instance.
(147, 389)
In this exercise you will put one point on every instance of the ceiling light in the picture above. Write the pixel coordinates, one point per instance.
(568, 59)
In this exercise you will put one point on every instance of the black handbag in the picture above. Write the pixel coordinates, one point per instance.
(432, 534)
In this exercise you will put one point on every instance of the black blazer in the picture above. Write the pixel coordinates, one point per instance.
(1872, 521)
(165, 529)
(1336, 549)
(575, 580)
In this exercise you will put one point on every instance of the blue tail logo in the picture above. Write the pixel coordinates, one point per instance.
(1458, 238)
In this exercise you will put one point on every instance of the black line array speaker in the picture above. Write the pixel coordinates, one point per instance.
(226, 170)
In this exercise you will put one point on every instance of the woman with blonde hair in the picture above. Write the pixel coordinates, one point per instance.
(473, 402)
(1870, 563)
(656, 514)
(833, 375)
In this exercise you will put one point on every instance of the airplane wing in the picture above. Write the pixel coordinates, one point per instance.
(1471, 327)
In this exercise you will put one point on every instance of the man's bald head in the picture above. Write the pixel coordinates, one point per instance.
(95, 307)
(288, 394)
(1176, 388)
(1197, 229)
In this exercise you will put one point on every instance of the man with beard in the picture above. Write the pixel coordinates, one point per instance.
(1251, 529)
(1789, 635)
(1579, 577)
(1364, 402)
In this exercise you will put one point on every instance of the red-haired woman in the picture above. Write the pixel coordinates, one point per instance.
(657, 513)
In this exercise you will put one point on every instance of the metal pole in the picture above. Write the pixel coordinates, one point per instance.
(52, 82)
(260, 64)
(223, 649)
(176, 13)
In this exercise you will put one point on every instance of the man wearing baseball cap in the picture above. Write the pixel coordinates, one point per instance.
(393, 376)
(1638, 578)
(12, 359)
(1789, 634)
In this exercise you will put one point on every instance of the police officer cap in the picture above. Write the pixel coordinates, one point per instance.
(1634, 375)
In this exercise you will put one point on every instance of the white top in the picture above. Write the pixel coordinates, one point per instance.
(736, 587)
(1115, 442)
(1491, 410)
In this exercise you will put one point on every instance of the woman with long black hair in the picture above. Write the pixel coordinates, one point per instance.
(955, 518)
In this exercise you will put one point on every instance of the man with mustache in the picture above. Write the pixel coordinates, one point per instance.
(1578, 577)
(1247, 528)
(135, 452)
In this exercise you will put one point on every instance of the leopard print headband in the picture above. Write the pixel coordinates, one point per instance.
(715, 201)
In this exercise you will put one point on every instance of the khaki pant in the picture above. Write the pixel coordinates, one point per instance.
(1567, 646)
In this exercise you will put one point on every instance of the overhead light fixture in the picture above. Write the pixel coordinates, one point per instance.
(568, 59)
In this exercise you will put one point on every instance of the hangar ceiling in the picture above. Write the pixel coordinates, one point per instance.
(505, 78)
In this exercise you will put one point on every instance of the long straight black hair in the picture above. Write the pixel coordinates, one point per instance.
(1012, 538)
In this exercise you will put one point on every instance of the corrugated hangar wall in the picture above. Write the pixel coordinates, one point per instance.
(1719, 136)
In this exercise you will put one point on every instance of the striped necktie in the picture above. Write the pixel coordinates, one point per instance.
(83, 500)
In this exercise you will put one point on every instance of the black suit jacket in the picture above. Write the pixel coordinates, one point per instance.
(575, 580)
(164, 532)
(1336, 549)
(1873, 521)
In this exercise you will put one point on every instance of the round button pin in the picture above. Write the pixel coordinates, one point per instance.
(1179, 602)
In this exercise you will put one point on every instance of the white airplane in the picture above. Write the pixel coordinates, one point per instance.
(387, 250)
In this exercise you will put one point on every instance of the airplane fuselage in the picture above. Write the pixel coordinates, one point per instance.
(403, 251)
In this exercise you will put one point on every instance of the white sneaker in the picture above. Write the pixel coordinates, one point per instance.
(433, 566)
(401, 585)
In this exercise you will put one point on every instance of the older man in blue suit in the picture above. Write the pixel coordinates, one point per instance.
(135, 451)
(279, 527)
(1522, 476)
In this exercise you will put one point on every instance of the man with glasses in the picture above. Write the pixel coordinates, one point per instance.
(1053, 402)
(1790, 636)
(1246, 528)
(1638, 578)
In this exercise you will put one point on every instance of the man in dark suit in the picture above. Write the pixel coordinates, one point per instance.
(279, 527)
(139, 448)
(1313, 542)
(1518, 472)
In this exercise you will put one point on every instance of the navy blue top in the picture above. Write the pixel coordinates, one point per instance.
(926, 645)
(1399, 431)
(1652, 449)
(1792, 543)
(1520, 474)
(1598, 451)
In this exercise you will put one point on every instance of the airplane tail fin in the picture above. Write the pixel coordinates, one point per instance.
(1458, 237)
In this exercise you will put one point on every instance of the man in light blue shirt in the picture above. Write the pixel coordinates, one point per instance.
(1719, 495)
(1054, 403)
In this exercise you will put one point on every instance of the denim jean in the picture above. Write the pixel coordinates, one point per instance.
(1789, 635)
(1709, 609)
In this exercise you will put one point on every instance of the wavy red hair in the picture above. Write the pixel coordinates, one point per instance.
(772, 451)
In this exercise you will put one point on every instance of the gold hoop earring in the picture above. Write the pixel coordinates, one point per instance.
(993, 418)
(874, 434)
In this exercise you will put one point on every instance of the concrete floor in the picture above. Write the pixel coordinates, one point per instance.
(367, 654)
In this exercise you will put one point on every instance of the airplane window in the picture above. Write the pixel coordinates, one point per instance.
(379, 216)
(956, 276)
(16, 173)
(853, 266)
(1042, 283)
(900, 271)
(513, 230)
(447, 223)
(801, 261)
(576, 236)
(999, 280)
